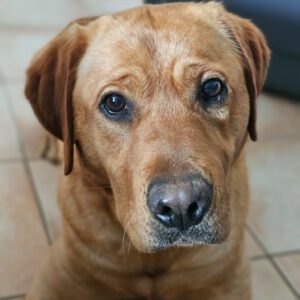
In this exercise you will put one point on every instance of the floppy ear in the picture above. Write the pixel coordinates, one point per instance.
(255, 53)
(50, 81)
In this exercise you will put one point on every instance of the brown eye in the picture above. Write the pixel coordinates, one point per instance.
(114, 103)
(116, 107)
(212, 90)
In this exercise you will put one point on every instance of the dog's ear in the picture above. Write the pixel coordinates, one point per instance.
(50, 82)
(255, 53)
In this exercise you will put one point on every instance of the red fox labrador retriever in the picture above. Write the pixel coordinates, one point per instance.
(154, 106)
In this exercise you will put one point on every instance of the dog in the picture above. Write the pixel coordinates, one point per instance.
(154, 106)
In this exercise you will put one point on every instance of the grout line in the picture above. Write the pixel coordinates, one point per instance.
(258, 257)
(272, 261)
(12, 297)
(256, 239)
(286, 253)
(276, 254)
(28, 170)
(264, 249)
(284, 277)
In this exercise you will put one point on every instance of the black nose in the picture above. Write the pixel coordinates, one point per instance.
(179, 202)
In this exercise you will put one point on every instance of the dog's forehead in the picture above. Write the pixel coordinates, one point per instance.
(167, 31)
(157, 38)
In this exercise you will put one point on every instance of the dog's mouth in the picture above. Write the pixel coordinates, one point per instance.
(208, 232)
(180, 212)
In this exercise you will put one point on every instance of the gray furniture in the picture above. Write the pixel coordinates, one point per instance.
(280, 22)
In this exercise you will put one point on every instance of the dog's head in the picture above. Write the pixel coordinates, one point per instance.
(160, 99)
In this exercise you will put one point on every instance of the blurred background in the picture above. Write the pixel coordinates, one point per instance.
(29, 217)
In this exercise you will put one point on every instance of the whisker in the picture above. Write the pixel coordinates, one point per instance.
(125, 231)
(129, 247)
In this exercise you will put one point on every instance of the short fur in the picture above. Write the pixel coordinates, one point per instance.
(111, 246)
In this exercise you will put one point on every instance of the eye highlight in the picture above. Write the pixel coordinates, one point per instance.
(115, 106)
(212, 91)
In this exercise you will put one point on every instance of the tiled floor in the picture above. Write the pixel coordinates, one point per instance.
(29, 217)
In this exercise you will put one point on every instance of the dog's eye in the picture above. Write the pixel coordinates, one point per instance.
(114, 103)
(115, 106)
(212, 90)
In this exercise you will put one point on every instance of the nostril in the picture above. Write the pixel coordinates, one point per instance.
(165, 210)
(194, 211)
(165, 214)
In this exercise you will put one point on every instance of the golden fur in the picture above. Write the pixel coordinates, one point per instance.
(111, 248)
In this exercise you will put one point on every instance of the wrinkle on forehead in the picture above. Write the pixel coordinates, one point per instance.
(151, 48)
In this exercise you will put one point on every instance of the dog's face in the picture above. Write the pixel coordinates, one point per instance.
(162, 99)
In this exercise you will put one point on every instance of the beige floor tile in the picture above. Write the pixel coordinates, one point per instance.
(39, 13)
(56, 13)
(9, 146)
(1, 76)
(277, 117)
(290, 265)
(22, 239)
(274, 169)
(95, 7)
(17, 49)
(46, 176)
(267, 284)
(32, 134)
(252, 248)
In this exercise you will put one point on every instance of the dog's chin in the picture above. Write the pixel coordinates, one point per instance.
(209, 232)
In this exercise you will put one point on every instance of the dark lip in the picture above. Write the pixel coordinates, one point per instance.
(168, 237)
